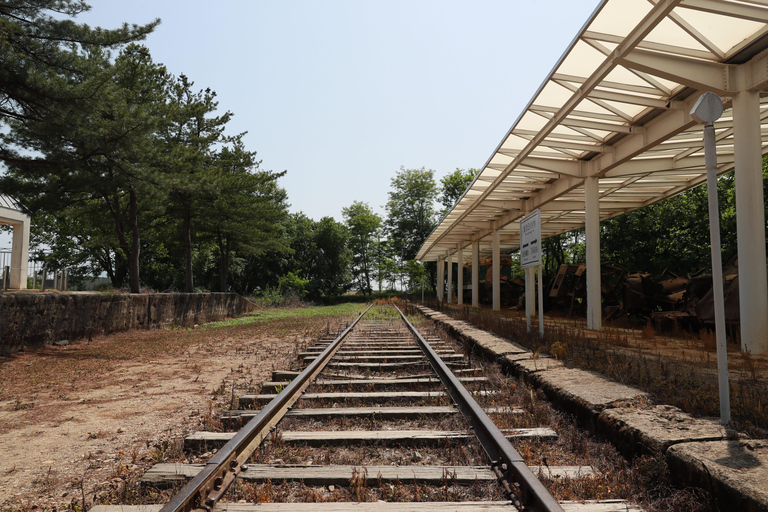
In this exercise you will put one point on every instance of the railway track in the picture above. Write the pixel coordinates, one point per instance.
(379, 414)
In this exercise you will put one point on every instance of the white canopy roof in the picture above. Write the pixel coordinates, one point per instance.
(9, 204)
(616, 106)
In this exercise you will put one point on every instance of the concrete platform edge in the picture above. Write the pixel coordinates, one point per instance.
(602, 416)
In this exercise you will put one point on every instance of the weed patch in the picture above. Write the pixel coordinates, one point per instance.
(688, 381)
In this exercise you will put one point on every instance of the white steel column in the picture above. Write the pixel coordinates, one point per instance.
(750, 223)
(440, 279)
(19, 256)
(496, 269)
(450, 278)
(541, 301)
(475, 273)
(460, 276)
(592, 225)
(530, 296)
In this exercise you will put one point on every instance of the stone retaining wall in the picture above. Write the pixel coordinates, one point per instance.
(30, 320)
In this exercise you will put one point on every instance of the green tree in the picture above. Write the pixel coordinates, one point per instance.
(301, 233)
(98, 149)
(453, 186)
(330, 274)
(320, 255)
(291, 282)
(189, 135)
(247, 214)
(411, 210)
(416, 276)
(566, 247)
(41, 62)
(364, 228)
(674, 231)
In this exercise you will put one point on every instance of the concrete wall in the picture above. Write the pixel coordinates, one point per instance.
(30, 320)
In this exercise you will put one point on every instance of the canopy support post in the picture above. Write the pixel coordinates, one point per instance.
(460, 276)
(440, 279)
(475, 272)
(450, 278)
(496, 272)
(750, 222)
(592, 225)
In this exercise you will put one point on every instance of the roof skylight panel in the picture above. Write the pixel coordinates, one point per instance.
(724, 22)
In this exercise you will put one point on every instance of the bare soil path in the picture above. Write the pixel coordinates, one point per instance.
(79, 421)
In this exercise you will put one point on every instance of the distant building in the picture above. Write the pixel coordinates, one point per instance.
(12, 214)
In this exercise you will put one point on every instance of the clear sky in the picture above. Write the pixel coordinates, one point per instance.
(341, 94)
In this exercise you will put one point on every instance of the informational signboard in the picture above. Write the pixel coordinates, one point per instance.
(530, 240)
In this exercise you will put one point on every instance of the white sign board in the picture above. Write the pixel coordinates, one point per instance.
(530, 240)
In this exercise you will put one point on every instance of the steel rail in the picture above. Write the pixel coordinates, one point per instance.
(505, 459)
(204, 490)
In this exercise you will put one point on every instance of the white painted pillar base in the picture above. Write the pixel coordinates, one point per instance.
(592, 225)
(450, 279)
(750, 223)
(496, 270)
(460, 276)
(475, 273)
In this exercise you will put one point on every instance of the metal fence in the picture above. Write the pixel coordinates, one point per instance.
(40, 278)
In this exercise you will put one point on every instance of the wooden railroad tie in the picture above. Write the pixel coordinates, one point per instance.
(380, 437)
(421, 506)
(386, 412)
(246, 401)
(166, 474)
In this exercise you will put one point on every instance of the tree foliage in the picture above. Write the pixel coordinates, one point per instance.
(41, 62)
(321, 256)
(247, 212)
(453, 185)
(145, 154)
(674, 231)
(98, 149)
(410, 210)
(364, 228)
(189, 137)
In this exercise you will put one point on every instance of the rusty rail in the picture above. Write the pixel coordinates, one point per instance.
(506, 462)
(204, 490)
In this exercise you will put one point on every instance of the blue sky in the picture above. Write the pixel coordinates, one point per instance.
(341, 94)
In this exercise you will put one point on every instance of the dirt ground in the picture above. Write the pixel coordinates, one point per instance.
(77, 420)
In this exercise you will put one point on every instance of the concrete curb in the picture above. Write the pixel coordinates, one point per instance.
(698, 451)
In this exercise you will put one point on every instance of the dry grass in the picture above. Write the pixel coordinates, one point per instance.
(642, 480)
(681, 373)
(111, 397)
(359, 491)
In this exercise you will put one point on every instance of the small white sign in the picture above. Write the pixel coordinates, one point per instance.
(530, 240)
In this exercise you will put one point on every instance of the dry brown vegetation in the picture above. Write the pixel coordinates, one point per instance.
(81, 423)
(102, 408)
(677, 368)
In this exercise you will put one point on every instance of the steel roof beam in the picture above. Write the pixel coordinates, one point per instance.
(694, 73)
(642, 89)
(731, 9)
(694, 163)
(647, 45)
(560, 166)
(594, 125)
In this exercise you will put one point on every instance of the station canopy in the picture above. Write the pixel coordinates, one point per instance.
(616, 106)
(9, 204)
